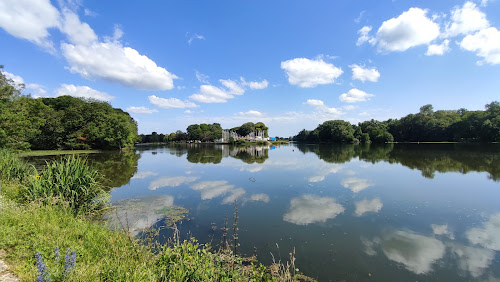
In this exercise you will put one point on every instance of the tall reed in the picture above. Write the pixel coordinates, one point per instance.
(68, 181)
(13, 168)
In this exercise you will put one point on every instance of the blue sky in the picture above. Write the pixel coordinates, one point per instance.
(291, 64)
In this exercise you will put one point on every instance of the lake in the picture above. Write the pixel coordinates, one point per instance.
(398, 212)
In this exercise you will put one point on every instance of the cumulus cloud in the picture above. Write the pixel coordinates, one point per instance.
(360, 73)
(438, 50)
(110, 61)
(141, 110)
(82, 92)
(171, 182)
(355, 95)
(260, 198)
(212, 189)
(465, 20)
(232, 86)
(234, 196)
(365, 206)
(473, 260)
(30, 20)
(442, 230)
(416, 252)
(308, 73)
(356, 184)
(211, 94)
(364, 36)
(144, 174)
(486, 44)
(255, 84)
(412, 28)
(308, 209)
(37, 90)
(320, 106)
(251, 113)
(171, 103)
(77, 32)
(487, 236)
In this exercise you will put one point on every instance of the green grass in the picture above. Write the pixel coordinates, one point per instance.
(42, 153)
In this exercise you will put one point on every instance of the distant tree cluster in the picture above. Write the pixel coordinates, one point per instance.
(154, 137)
(426, 126)
(248, 127)
(204, 132)
(60, 123)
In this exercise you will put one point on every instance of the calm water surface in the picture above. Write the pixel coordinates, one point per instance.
(415, 212)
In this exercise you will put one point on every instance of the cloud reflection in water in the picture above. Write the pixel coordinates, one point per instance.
(308, 209)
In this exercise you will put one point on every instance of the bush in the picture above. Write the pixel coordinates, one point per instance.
(13, 168)
(70, 181)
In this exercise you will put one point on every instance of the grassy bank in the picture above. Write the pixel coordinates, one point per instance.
(42, 215)
(41, 153)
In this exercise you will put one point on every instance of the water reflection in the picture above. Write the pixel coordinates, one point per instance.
(472, 260)
(416, 252)
(356, 185)
(428, 158)
(171, 182)
(144, 174)
(308, 209)
(139, 213)
(442, 230)
(212, 189)
(208, 153)
(365, 206)
(487, 236)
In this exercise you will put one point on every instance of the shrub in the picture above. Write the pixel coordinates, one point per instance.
(68, 181)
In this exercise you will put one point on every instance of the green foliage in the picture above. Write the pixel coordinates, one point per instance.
(426, 126)
(204, 132)
(188, 261)
(12, 168)
(103, 254)
(68, 181)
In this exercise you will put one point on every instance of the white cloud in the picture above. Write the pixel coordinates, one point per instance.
(170, 182)
(486, 44)
(365, 206)
(310, 73)
(112, 62)
(465, 20)
(37, 89)
(442, 230)
(489, 235)
(473, 260)
(416, 252)
(410, 29)
(324, 109)
(195, 36)
(308, 209)
(364, 37)
(171, 103)
(30, 20)
(144, 174)
(203, 78)
(82, 92)
(260, 198)
(141, 110)
(212, 189)
(235, 195)
(360, 73)
(355, 95)
(356, 184)
(323, 172)
(255, 84)
(211, 94)
(233, 87)
(438, 50)
(77, 32)
(251, 113)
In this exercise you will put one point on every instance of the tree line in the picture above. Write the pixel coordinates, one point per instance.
(426, 126)
(203, 132)
(60, 123)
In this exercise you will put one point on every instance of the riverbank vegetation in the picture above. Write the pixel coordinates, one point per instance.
(60, 123)
(426, 126)
(45, 213)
